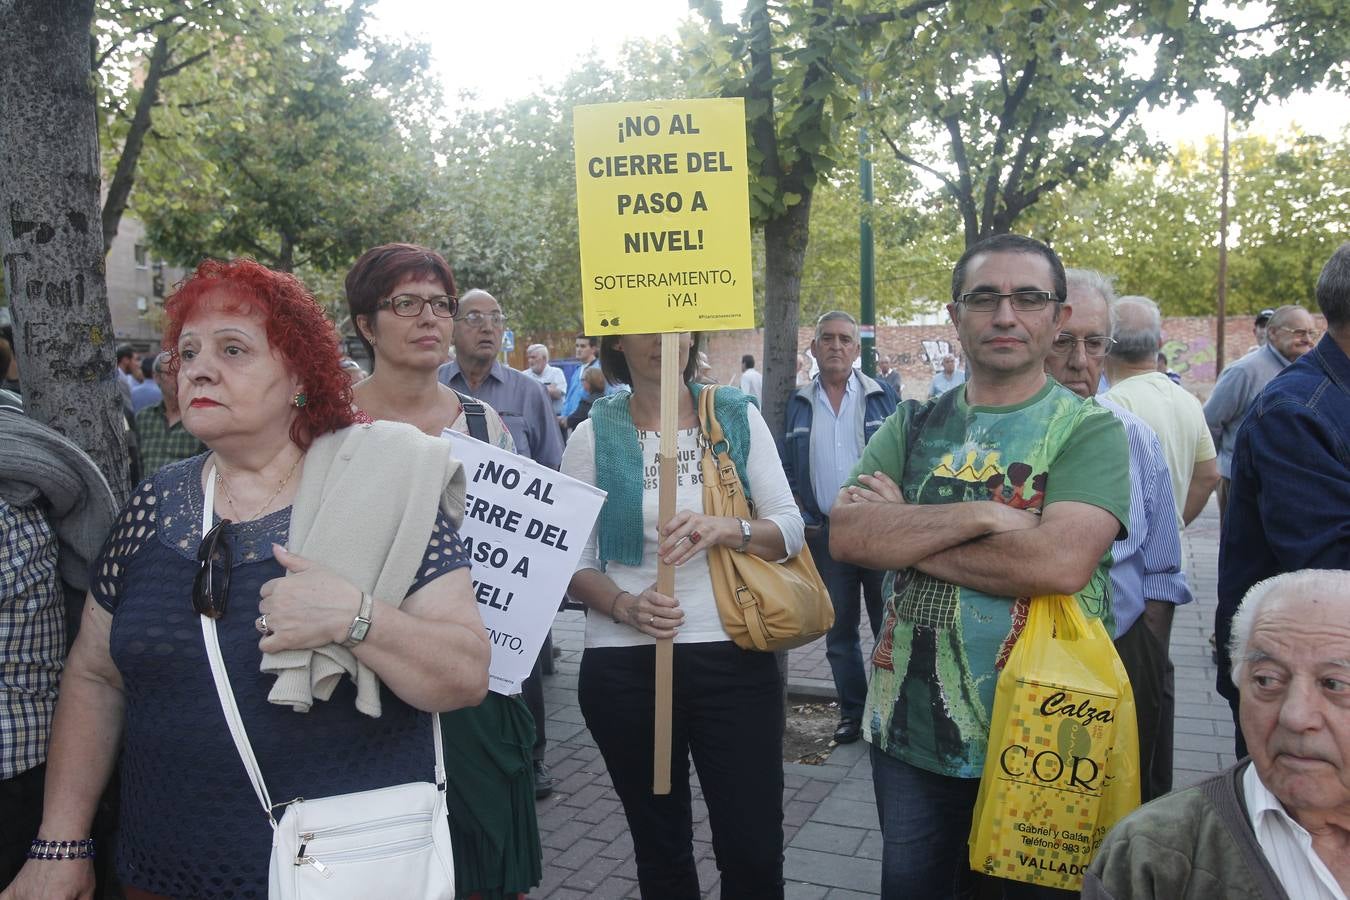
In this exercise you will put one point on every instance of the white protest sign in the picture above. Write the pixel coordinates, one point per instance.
(524, 526)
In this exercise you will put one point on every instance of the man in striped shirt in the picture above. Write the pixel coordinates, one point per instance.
(1146, 578)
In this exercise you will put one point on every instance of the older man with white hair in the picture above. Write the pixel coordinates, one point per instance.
(1276, 825)
(1146, 578)
(1292, 333)
(550, 378)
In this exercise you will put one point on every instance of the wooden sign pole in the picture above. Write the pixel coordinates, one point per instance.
(665, 574)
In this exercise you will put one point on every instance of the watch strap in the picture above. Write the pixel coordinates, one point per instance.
(356, 632)
(745, 534)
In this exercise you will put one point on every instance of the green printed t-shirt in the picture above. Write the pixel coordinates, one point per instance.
(937, 660)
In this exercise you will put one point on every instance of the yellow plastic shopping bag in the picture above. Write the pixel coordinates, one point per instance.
(1063, 762)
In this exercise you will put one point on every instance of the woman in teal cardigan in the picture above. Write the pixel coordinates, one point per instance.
(727, 702)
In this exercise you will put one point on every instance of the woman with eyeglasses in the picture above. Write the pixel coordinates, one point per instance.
(337, 649)
(403, 304)
(403, 301)
(728, 702)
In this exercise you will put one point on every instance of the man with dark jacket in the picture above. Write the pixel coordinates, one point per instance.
(1289, 506)
(828, 422)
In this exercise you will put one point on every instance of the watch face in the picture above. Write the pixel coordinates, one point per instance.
(358, 630)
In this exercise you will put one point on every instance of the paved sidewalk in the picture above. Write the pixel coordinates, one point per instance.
(833, 847)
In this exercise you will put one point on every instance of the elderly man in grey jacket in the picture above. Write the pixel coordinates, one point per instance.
(1290, 333)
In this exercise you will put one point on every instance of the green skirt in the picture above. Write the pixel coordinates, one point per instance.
(490, 793)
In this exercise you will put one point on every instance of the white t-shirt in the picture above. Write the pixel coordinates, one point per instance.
(752, 383)
(552, 375)
(693, 582)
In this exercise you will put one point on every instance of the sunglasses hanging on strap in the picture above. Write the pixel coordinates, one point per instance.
(387, 842)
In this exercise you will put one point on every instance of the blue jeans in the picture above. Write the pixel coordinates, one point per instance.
(845, 581)
(925, 825)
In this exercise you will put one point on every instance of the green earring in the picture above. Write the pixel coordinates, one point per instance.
(299, 399)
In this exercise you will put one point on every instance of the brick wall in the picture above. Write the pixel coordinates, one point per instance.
(1187, 341)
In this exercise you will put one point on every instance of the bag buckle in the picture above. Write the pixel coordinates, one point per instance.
(745, 598)
(271, 810)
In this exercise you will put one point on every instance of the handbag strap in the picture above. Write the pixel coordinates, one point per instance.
(475, 416)
(231, 708)
(727, 481)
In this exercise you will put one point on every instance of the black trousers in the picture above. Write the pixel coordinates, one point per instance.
(532, 692)
(727, 713)
(21, 800)
(1150, 670)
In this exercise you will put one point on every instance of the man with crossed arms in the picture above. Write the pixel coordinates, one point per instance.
(948, 493)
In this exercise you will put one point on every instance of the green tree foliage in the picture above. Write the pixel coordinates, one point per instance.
(312, 148)
(505, 210)
(142, 48)
(916, 242)
(797, 64)
(1298, 45)
(1000, 102)
(1156, 228)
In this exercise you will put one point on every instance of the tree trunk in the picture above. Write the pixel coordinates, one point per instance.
(51, 237)
(784, 251)
(119, 189)
(286, 256)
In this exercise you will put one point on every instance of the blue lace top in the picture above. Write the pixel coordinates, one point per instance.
(190, 822)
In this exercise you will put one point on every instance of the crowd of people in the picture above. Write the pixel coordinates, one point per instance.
(313, 512)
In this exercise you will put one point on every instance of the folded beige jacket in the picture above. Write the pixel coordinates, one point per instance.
(365, 510)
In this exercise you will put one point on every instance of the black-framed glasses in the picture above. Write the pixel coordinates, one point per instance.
(478, 318)
(206, 600)
(1022, 301)
(409, 306)
(1096, 345)
(1307, 334)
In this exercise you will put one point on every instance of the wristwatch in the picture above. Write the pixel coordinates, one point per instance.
(745, 534)
(361, 624)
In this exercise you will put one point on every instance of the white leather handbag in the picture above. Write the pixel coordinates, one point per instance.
(388, 842)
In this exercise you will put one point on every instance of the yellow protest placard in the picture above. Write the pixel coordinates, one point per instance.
(663, 208)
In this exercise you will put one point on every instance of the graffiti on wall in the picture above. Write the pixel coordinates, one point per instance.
(934, 351)
(1192, 359)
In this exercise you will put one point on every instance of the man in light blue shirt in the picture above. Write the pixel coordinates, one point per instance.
(1147, 582)
(147, 393)
(836, 439)
(550, 378)
(587, 350)
(946, 379)
(828, 422)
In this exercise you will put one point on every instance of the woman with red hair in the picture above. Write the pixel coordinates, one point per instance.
(256, 535)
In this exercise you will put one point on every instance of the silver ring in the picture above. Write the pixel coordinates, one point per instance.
(682, 540)
(651, 620)
(261, 624)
